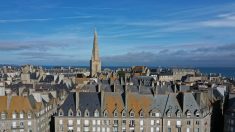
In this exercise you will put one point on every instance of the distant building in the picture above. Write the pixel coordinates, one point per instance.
(95, 62)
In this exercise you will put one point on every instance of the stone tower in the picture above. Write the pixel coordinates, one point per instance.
(95, 63)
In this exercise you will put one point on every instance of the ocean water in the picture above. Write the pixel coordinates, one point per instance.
(225, 71)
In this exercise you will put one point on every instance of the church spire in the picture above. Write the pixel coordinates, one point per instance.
(95, 51)
(95, 63)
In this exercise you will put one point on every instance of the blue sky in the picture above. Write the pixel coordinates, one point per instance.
(131, 32)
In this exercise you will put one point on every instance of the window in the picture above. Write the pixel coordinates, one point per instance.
(141, 113)
(169, 123)
(14, 115)
(153, 114)
(29, 123)
(78, 129)
(29, 115)
(197, 123)
(105, 113)
(96, 114)
(70, 113)
(188, 114)
(132, 123)
(179, 129)
(70, 122)
(61, 113)
(169, 130)
(21, 124)
(115, 122)
(178, 123)
(61, 122)
(86, 113)
(188, 130)
(141, 122)
(123, 114)
(78, 113)
(158, 129)
(132, 114)
(86, 122)
(123, 122)
(188, 122)
(93, 122)
(98, 122)
(152, 122)
(158, 122)
(78, 122)
(115, 114)
(14, 124)
(21, 115)
(157, 114)
(3, 116)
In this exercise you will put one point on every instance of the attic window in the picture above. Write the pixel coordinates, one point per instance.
(14, 115)
(105, 113)
(29, 115)
(188, 114)
(61, 113)
(87, 113)
(141, 114)
(21, 115)
(123, 114)
(70, 113)
(115, 114)
(197, 113)
(152, 114)
(78, 113)
(96, 114)
(3, 116)
(132, 114)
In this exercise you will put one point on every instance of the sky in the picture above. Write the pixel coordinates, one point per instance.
(198, 33)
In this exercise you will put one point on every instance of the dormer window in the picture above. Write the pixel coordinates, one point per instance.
(3, 115)
(105, 113)
(61, 113)
(14, 116)
(29, 115)
(168, 113)
(96, 113)
(21, 115)
(178, 113)
(188, 113)
(132, 114)
(141, 113)
(157, 114)
(197, 113)
(153, 114)
(115, 113)
(123, 113)
(78, 113)
(70, 112)
(86, 113)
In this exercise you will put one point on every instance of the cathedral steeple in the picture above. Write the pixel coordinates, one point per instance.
(95, 63)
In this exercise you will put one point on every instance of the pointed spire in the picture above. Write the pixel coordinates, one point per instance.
(95, 51)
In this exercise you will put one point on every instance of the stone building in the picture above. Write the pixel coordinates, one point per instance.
(132, 111)
(25, 114)
(95, 62)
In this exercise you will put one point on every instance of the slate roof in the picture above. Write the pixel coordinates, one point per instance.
(89, 101)
(69, 103)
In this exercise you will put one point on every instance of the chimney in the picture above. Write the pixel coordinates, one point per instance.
(102, 100)
(99, 87)
(77, 99)
(175, 88)
(126, 96)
